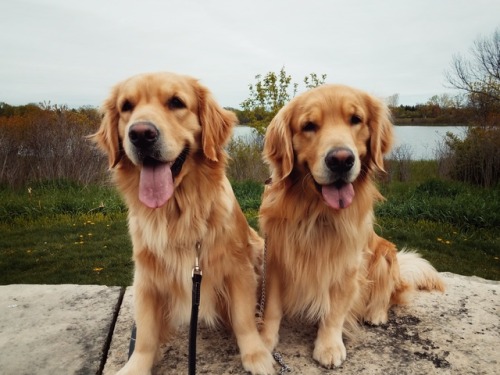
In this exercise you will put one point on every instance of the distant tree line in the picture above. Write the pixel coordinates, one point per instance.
(462, 109)
(439, 109)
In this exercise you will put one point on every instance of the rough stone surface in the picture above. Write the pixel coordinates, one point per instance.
(54, 329)
(63, 329)
(457, 332)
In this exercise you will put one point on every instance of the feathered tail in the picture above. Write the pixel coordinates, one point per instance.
(417, 272)
(393, 277)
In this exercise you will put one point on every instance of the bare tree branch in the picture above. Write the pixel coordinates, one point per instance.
(479, 75)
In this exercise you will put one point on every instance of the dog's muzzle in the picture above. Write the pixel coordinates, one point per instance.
(144, 136)
(157, 175)
(339, 192)
(340, 161)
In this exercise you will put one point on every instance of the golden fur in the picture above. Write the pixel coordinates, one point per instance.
(325, 263)
(202, 208)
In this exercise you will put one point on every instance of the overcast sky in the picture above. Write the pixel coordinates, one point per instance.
(72, 52)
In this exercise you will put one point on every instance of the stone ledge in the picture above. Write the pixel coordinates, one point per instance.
(55, 329)
(457, 332)
(64, 329)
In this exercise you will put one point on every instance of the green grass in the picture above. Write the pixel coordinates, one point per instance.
(454, 225)
(448, 247)
(249, 195)
(75, 249)
(465, 207)
(53, 198)
(60, 232)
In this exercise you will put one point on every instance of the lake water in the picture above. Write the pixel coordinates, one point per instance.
(423, 141)
(420, 142)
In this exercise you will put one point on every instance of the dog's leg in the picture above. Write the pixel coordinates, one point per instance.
(384, 283)
(273, 311)
(382, 279)
(254, 355)
(329, 348)
(148, 320)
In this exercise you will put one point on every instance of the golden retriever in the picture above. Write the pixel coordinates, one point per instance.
(165, 135)
(324, 261)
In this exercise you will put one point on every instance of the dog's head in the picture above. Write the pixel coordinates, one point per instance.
(335, 135)
(154, 122)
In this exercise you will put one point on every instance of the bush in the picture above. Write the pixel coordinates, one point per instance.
(398, 164)
(40, 143)
(246, 160)
(475, 159)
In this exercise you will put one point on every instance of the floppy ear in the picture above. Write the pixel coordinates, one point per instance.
(106, 136)
(216, 124)
(382, 135)
(278, 148)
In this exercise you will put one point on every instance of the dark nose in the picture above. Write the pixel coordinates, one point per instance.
(143, 134)
(340, 160)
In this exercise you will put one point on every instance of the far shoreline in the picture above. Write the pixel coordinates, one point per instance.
(414, 121)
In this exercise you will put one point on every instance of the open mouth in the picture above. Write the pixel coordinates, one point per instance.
(337, 195)
(156, 184)
(179, 162)
(175, 167)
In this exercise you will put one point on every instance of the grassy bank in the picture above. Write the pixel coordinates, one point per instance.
(60, 232)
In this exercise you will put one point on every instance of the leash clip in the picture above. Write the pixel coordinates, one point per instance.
(197, 269)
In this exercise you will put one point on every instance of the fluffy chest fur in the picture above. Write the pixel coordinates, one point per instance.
(313, 247)
(164, 243)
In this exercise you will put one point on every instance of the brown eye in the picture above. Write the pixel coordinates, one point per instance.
(355, 120)
(176, 103)
(309, 127)
(127, 106)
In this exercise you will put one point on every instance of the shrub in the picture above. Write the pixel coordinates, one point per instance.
(246, 160)
(475, 159)
(398, 164)
(48, 142)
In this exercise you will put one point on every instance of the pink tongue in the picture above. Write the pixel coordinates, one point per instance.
(156, 185)
(338, 198)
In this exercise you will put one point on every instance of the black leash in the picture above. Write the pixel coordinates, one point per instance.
(131, 346)
(195, 305)
(193, 326)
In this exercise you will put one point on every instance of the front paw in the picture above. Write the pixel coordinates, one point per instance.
(260, 362)
(377, 318)
(137, 365)
(331, 355)
(133, 370)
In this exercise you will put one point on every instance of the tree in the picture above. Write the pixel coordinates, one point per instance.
(392, 101)
(476, 158)
(442, 101)
(269, 93)
(313, 80)
(479, 75)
